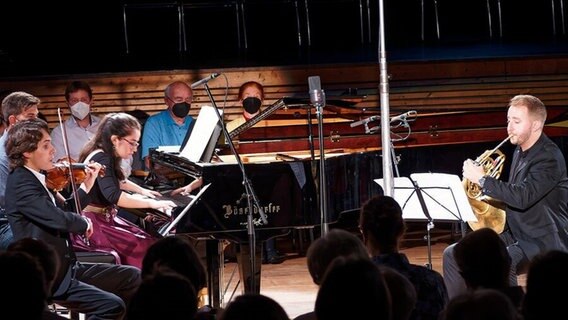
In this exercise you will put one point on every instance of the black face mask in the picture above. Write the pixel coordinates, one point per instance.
(181, 109)
(251, 104)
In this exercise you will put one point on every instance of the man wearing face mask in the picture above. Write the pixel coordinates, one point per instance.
(81, 126)
(168, 127)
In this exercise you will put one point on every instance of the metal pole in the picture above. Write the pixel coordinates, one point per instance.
(385, 113)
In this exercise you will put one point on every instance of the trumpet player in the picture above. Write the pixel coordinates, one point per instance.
(535, 196)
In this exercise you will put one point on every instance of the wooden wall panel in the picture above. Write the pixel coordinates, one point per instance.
(428, 87)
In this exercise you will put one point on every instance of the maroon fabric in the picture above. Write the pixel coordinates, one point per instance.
(115, 235)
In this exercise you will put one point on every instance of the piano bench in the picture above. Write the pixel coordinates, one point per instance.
(95, 257)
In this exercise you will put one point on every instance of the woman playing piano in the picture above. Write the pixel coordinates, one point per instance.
(116, 139)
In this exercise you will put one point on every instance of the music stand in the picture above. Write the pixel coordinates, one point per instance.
(432, 196)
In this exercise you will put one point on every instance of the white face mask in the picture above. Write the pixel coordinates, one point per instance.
(80, 110)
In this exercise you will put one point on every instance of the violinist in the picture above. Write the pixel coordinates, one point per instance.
(16, 106)
(116, 139)
(99, 290)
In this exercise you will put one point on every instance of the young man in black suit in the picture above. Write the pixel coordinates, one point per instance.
(101, 291)
(536, 195)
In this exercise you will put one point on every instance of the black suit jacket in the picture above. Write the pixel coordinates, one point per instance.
(536, 197)
(32, 214)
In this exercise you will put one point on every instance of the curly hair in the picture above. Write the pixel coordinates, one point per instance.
(24, 136)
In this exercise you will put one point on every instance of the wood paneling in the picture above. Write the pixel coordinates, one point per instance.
(433, 88)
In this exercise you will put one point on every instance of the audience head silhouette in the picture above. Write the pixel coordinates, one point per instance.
(44, 254)
(545, 283)
(253, 306)
(402, 292)
(483, 259)
(381, 224)
(336, 243)
(353, 288)
(23, 285)
(481, 304)
(179, 255)
(165, 294)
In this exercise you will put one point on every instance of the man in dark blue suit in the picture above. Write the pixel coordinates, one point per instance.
(101, 291)
(536, 195)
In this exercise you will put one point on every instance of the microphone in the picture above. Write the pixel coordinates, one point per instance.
(317, 96)
(364, 121)
(204, 80)
(403, 116)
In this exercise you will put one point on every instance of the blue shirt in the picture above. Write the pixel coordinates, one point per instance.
(160, 129)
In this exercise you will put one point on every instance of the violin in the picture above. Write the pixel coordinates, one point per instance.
(58, 177)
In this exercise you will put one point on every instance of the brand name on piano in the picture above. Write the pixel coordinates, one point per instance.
(235, 210)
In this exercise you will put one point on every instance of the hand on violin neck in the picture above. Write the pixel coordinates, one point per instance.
(92, 171)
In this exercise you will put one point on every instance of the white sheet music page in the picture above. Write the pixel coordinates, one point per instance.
(202, 131)
(448, 190)
(443, 194)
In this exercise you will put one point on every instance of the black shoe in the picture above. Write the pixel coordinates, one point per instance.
(275, 259)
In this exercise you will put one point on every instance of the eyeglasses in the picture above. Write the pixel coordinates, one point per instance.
(133, 144)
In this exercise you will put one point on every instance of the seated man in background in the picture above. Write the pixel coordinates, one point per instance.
(168, 127)
(81, 126)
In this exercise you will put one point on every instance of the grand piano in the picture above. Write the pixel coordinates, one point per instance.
(286, 185)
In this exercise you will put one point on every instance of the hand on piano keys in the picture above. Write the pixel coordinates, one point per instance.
(163, 206)
(184, 191)
(150, 193)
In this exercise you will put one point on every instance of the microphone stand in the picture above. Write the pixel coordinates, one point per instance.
(250, 194)
(310, 135)
(322, 182)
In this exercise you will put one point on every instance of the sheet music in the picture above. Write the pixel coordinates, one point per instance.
(443, 194)
(202, 131)
(168, 149)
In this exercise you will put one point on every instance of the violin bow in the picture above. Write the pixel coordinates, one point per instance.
(72, 175)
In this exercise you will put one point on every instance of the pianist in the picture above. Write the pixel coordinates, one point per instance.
(117, 138)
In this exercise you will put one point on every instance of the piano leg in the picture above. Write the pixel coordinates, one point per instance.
(243, 260)
(215, 259)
